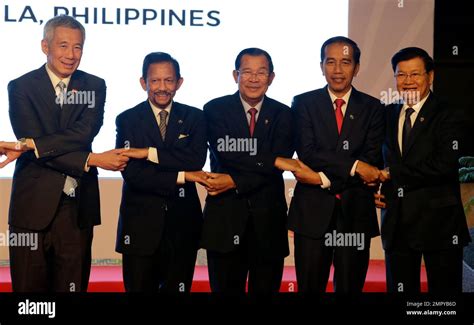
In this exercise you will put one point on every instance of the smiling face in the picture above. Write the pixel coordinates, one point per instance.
(253, 78)
(413, 82)
(339, 67)
(63, 51)
(161, 83)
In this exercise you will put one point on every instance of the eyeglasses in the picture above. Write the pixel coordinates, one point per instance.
(260, 75)
(402, 76)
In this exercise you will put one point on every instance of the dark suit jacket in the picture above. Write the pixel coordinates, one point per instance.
(63, 137)
(423, 196)
(320, 147)
(260, 188)
(151, 199)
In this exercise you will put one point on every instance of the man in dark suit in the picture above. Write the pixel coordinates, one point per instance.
(339, 134)
(245, 215)
(55, 193)
(424, 216)
(160, 213)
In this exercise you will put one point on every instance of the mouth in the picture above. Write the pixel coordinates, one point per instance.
(162, 95)
(338, 79)
(68, 65)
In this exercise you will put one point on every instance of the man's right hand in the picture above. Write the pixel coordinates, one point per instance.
(109, 160)
(198, 177)
(368, 173)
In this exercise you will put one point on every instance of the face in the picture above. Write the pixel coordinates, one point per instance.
(253, 78)
(161, 83)
(64, 51)
(339, 67)
(413, 82)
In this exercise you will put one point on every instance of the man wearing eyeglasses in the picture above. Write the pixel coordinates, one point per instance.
(423, 214)
(245, 215)
(339, 134)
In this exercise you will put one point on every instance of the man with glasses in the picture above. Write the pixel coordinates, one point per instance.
(246, 212)
(423, 214)
(339, 135)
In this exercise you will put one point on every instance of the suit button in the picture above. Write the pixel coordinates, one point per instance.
(236, 191)
(165, 207)
(260, 164)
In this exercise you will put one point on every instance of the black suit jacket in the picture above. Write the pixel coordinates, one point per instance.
(423, 197)
(319, 145)
(260, 190)
(151, 199)
(63, 137)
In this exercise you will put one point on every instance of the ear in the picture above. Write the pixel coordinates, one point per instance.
(179, 83)
(431, 76)
(235, 73)
(321, 66)
(45, 46)
(270, 78)
(356, 70)
(143, 83)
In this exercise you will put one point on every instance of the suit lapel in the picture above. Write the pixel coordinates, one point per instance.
(150, 125)
(264, 121)
(351, 116)
(67, 110)
(238, 116)
(395, 116)
(45, 91)
(422, 119)
(174, 124)
(328, 116)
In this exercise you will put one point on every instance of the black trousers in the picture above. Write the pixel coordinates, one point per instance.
(57, 259)
(443, 269)
(170, 269)
(228, 271)
(313, 259)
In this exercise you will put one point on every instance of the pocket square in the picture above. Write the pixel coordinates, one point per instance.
(181, 136)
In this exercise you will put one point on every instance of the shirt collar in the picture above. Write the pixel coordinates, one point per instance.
(417, 106)
(247, 106)
(157, 110)
(345, 97)
(55, 79)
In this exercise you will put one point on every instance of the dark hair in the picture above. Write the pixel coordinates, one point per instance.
(345, 40)
(253, 51)
(409, 53)
(159, 57)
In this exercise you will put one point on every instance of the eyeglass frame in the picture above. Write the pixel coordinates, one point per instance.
(404, 76)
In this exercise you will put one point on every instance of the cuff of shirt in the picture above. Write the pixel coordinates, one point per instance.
(326, 183)
(181, 178)
(86, 166)
(36, 149)
(353, 170)
(153, 155)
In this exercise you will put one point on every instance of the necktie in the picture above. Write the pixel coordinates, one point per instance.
(253, 112)
(406, 127)
(61, 86)
(339, 117)
(163, 114)
(70, 184)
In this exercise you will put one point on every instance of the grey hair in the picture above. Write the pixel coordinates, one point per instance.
(62, 21)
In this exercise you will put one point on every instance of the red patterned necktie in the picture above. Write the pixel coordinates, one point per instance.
(252, 112)
(339, 117)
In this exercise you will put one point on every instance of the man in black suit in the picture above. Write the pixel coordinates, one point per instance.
(250, 137)
(339, 134)
(55, 193)
(424, 216)
(160, 213)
